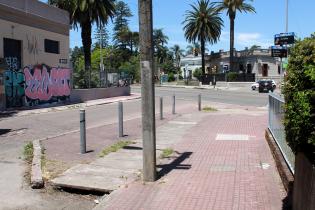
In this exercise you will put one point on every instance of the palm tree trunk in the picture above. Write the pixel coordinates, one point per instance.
(87, 42)
(131, 45)
(203, 63)
(231, 44)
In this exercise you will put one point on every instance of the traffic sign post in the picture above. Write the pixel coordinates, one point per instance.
(284, 39)
(279, 52)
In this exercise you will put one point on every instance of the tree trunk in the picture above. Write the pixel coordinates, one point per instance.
(203, 62)
(87, 42)
(131, 45)
(232, 43)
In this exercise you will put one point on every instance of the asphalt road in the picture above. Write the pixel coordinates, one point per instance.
(14, 194)
(242, 97)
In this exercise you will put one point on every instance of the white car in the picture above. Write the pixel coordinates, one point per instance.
(255, 86)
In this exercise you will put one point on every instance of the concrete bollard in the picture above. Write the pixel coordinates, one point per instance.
(120, 119)
(161, 108)
(199, 102)
(173, 110)
(82, 132)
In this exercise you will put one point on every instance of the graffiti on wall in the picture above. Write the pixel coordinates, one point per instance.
(14, 88)
(35, 85)
(14, 83)
(43, 83)
(12, 63)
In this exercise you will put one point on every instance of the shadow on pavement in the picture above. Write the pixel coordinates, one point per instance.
(287, 201)
(175, 164)
(7, 114)
(4, 131)
(132, 148)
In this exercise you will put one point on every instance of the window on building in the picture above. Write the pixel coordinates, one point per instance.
(51, 46)
(249, 68)
(241, 67)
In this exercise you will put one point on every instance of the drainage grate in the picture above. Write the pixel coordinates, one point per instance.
(232, 137)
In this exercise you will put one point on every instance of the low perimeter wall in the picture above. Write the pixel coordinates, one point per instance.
(82, 95)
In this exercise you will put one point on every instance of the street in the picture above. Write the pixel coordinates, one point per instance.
(16, 131)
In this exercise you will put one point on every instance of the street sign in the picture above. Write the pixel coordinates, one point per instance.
(279, 52)
(284, 38)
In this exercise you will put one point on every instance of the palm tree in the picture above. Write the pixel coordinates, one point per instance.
(203, 24)
(194, 49)
(84, 13)
(159, 38)
(231, 7)
(177, 54)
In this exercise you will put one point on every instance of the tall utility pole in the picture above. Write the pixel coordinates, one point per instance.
(287, 16)
(147, 90)
(100, 35)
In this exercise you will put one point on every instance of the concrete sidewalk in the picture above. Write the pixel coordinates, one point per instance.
(224, 163)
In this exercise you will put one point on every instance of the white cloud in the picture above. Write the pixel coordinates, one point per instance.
(249, 39)
(225, 36)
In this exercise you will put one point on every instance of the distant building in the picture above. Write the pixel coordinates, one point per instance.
(34, 33)
(189, 64)
(258, 61)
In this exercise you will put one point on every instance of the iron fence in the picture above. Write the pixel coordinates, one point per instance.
(276, 127)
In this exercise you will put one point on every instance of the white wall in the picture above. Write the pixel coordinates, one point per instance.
(31, 37)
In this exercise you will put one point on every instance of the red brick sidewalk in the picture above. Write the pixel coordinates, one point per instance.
(66, 148)
(218, 175)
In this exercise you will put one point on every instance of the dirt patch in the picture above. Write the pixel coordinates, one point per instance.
(53, 168)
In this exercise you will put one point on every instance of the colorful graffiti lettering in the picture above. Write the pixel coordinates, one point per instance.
(12, 63)
(14, 88)
(45, 84)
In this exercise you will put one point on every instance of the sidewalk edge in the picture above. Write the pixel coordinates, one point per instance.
(286, 176)
(37, 181)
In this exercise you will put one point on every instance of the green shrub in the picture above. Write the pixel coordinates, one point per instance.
(232, 76)
(171, 77)
(299, 94)
(198, 73)
(28, 152)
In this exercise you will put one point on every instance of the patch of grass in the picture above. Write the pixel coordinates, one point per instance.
(209, 109)
(28, 152)
(166, 153)
(115, 147)
(43, 161)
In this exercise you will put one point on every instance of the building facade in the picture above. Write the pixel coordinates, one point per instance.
(189, 64)
(257, 61)
(34, 43)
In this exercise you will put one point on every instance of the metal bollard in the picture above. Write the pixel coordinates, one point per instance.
(173, 110)
(161, 108)
(199, 102)
(120, 119)
(82, 132)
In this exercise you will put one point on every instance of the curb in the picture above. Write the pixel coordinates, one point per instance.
(37, 181)
(286, 176)
(67, 107)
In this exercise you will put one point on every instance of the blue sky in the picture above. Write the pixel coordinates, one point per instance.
(250, 28)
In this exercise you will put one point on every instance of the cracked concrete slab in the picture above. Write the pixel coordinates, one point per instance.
(124, 166)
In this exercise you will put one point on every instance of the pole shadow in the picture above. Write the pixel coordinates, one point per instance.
(175, 164)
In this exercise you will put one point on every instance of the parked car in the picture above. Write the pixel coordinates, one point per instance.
(255, 85)
(265, 86)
